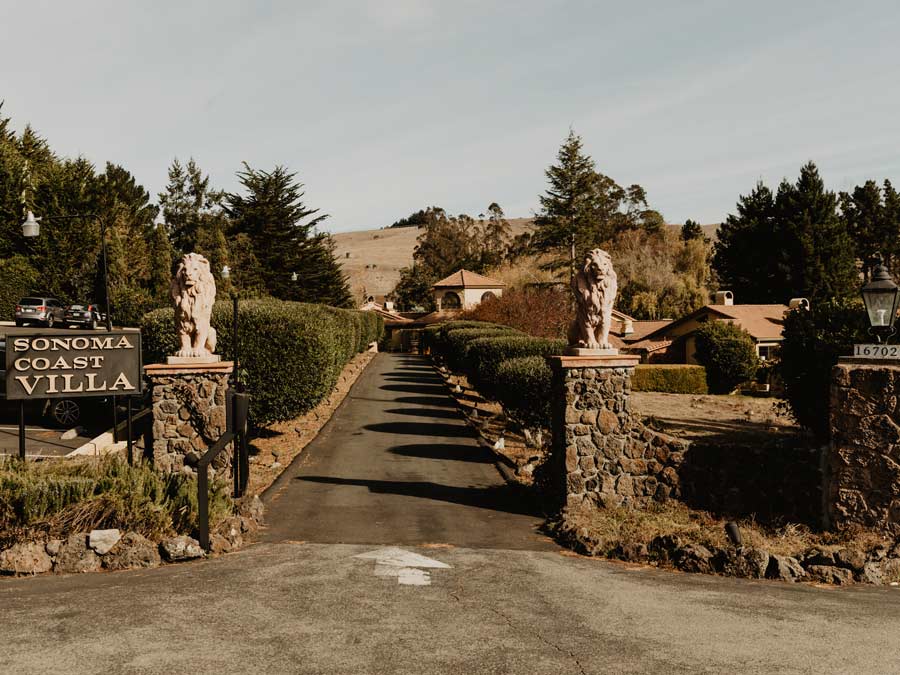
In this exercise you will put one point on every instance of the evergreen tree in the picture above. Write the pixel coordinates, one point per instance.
(497, 236)
(583, 209)
(793, 244)
(873, 221)
(817, 250)
(162, 258)
(185, 204)
(691, 230)
(281, 230)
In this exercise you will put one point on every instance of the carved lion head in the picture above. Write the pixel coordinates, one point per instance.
(193, 275)
(598, 265)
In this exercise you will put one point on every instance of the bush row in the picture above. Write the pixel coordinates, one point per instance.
(670, 379)
(291, 353)
(522, 387)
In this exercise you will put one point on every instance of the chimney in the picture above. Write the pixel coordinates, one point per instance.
(389, 305)
(724, 298)
(627, 327)
(801, 303)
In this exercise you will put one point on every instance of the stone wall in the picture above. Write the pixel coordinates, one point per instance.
(602, 452)
(863, 464)
(189, 413)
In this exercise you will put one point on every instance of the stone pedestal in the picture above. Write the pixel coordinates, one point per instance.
(862, 472)
(188, 411)
(602, 453)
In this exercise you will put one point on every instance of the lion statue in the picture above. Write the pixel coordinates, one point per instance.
(595, 288)
(193, 291)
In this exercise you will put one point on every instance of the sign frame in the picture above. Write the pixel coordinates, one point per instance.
(115, 362)
(882, 352)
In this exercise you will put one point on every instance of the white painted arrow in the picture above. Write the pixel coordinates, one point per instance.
(404, 565)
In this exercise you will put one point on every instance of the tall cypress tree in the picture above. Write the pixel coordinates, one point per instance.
(281, 230)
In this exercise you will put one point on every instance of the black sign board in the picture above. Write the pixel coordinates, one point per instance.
(67, 365)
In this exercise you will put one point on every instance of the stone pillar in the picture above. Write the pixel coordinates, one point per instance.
(602, 453)
(188, 411)
(862, 471)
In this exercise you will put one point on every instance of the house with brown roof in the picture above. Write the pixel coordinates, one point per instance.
(673, 342)
(464, 290)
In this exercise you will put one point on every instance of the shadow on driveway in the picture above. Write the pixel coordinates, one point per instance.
(427, 429)
(443, 451)
(494, 498)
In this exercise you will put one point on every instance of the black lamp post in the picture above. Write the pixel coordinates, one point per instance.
(32, 228)
(881, 297)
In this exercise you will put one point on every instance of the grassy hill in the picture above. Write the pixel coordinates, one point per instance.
(372, 258)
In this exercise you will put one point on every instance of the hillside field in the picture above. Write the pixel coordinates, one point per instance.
(372, 258)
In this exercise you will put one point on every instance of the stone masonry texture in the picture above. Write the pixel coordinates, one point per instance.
(188, 417)
(602, 452)
(863, 464)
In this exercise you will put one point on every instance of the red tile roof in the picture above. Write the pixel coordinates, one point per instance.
(467, 279)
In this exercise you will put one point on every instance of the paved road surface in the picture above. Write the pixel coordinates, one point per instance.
(302, 601)
(398, 465)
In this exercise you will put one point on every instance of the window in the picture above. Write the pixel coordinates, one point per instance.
(488, 296)
(767, 352)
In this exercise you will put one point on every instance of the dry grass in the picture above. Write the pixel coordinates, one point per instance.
(616, 527)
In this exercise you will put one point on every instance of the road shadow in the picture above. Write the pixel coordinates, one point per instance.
(495, 498)
(434, 401)
(433, 389)
(424, 379)
(453, 452)
(420, 412)
(425, 429)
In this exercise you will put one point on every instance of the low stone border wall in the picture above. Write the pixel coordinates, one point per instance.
(878, 566)
(113, 550)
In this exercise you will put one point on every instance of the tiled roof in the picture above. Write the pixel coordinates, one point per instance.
(764, 322)
(642, 329)
(467, 279)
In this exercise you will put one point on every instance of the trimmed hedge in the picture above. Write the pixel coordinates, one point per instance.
(670, 379)
(457, 344)
(291, 353)
(441, 344)
(484, 355)
(522, 386)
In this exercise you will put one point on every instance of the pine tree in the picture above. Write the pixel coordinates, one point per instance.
(583, 209)
(691, 230)
(818, 251)
(186, 200)
(497, 235)
(281, 230)
(790, 245)
(873, 221)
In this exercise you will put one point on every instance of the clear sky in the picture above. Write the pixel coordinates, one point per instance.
(387, 106)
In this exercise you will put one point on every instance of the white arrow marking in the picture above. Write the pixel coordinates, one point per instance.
(395, 562)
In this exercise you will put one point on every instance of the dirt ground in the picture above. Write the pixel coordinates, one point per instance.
(277, 446)
(692, 417)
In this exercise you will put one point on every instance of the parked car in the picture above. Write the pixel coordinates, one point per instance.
(87, 316)
(44, 310)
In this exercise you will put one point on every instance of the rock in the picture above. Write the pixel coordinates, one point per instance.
(74, 556)
(694, 558)
(275, 466)
(219, 544)
(102, 541)
(871, 574)
(231, 530)
(851, 559)
(663, 547)
(25, 558)
(176, 549)
(632, 552)
(71, 433)
(256, 509)
(818, 557)
(132, 550)
(744, 562)
(878, 553)
(53, 547)
(829, 574)
(784, 568)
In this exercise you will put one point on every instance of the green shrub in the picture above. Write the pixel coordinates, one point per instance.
(671, 379)
(441, 345)
(77, 496)
(728, 354)
(813, 341)
(291, 353)
(484, 355)
(457, 343)
(17, 280)
(522, 386)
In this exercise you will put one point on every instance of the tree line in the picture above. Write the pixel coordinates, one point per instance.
(264, 233)
(801, 240)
